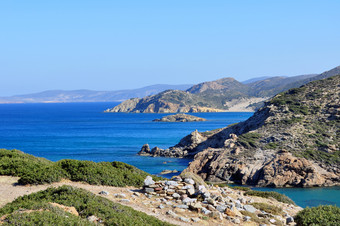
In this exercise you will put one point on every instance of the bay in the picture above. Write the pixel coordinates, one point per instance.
(82, 131)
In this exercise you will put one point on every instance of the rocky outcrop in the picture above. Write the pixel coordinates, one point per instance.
(184, 149)
(292, 141)
(225, 206)
(180, 118)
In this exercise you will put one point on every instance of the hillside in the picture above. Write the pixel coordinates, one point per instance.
(64, 96)
(226, 94)
(292, 141)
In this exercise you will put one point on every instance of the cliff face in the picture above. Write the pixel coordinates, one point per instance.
(292, 141)
(225, 94)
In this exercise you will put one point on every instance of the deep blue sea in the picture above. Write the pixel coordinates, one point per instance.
(82, 131)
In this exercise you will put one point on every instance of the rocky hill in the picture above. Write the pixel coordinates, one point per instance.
(292, 141)
(225, 94)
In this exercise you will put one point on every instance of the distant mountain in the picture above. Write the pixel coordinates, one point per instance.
(57, 96)
(255, 79)
(226, 94)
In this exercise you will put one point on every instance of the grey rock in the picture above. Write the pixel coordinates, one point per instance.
(171, 213)
(195, 219)
(176, 195)
(184, 219)
(289, 220)
(188, 200)
(221, 208)
(211, 201)
(246, 218)
(186, 187)
(149, 190)
(104, 193)
(236, 221)
(191, 191)
(272, 221)
(120, 195)
(149, 196)
(182, 207)
(124, 200)
(170, 182)
(206, 211)
(161, 206)
(148, 181)
(189, 181)
(249, 208)
(211, 207)
(216, 215)
(206, 195)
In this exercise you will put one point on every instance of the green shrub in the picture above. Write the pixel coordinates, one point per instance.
(249, 140)
(49, 216)
(86, 203)
(17, 163)
(321, 215)
(33, 170)
(270, 194)
(43, 175)
(268, 208)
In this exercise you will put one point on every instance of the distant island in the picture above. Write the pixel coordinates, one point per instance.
(226, 94)
(180, 118)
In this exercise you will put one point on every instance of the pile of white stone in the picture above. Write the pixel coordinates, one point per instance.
(218, 203)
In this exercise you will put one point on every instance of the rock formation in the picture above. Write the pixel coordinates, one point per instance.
(180, 118)
(292, 141)
(184, 194)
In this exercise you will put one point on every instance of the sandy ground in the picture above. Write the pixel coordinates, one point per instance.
(240, 105)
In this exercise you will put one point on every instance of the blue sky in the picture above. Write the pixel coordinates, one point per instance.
(111, 45)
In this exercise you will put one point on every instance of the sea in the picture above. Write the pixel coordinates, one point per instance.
(83, 131)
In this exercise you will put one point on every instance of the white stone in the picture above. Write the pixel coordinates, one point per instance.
(148, 181)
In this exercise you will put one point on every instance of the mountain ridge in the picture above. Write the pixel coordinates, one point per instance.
(219, 95)
(85, 95)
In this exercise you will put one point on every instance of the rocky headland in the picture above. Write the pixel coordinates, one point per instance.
(226, 94)
(180, 118)
(292, 141)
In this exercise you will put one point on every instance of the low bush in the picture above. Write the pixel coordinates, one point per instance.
(268, 208)
(33, 170)
(86, 204)
(270, 194)
(321, 215)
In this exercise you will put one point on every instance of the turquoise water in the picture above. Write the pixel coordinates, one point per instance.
(82, 131)
(310, 196)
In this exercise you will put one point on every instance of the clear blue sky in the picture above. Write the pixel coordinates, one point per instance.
(111, 45)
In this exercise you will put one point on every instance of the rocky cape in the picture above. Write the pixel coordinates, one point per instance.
(226, 94)
(292, 141)
(180, 118)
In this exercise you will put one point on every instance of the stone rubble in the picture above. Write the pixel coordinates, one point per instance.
(187, 201)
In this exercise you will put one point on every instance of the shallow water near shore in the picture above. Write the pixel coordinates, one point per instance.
(82, 131)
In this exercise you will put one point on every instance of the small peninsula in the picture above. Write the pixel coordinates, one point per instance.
(222, 95)
(180, 118)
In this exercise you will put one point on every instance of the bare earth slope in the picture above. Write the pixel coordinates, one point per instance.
(292, 141)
